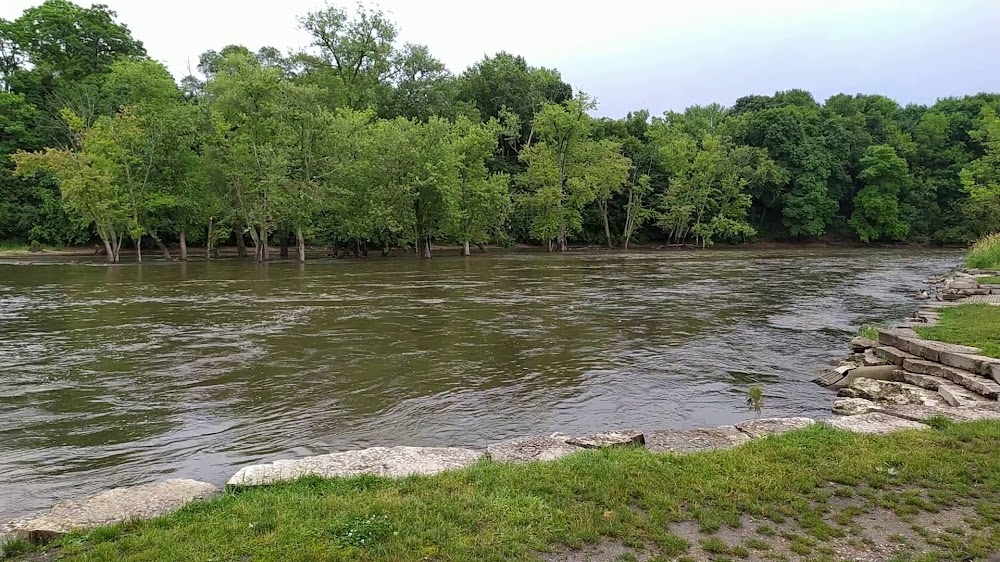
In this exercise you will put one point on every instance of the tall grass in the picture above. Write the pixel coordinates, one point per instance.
(985, 254)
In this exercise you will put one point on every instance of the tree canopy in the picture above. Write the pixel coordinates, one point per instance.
(358, 141)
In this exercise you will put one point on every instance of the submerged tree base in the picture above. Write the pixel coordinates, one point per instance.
(816, 494)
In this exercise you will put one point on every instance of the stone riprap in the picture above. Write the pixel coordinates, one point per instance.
(874, 423)
(624, 438)
(528, 449)
(764, 427)
(379, 461)
(694, 440)
(113, 506)
(929, 379)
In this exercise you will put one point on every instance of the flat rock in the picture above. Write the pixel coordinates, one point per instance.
(914, 412)
(391, 462)
(860, 344)
(872, 360)
(982, 385)
(694, 440)
(892, 354)
(114, 506)
(623, 438)
(874, 423)
(527, 449)
(891, 392)
(853, 406)
(773, 426)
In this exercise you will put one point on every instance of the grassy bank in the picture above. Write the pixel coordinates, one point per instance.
(977, 325)
(985, 254)
(816, 494)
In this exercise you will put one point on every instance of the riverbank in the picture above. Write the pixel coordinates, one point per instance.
(197, 253)
(866, 497)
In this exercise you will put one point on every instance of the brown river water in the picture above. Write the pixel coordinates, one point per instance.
(114, 376)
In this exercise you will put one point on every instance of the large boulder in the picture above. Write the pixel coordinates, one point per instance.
(391, 462)
(874, 423)
(114, 506)
(773, 426)
(894, 392)
(853, 406)
(694, 440)
(623, 438)
(527, 449)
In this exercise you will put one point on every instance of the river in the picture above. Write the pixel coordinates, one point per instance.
(114, 376)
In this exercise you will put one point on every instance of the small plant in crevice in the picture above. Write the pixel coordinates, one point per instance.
(755, 399)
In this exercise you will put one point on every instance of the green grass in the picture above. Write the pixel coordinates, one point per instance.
(985, 254)
(977, 325)
(493, 511)
(995, 280)
(869, 331)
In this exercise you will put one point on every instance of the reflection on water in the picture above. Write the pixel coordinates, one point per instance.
(113, 376)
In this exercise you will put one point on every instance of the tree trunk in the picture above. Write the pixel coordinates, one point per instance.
(108, 252)
(465, 249)
(284, 244)
(208, 244)
(265, 253)
(184, 245)
(241, 247)
(481, 248)
(549, 245)
(426, 248)
(161, 246)
(607, 228)
(562, 238)
(300, 244)
(138, 248)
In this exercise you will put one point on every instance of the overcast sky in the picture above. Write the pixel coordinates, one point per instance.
(652, 54)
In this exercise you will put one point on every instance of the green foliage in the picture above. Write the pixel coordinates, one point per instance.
(360, 138)
(755, 398)
(876, 207)
(985, 253)
(869, 331)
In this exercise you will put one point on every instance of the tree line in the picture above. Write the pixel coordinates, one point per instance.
(358, 142)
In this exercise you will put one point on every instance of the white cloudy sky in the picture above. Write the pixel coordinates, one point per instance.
(640, 53)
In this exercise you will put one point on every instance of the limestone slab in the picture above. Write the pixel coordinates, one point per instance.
(763, 427)
(694, 440)
(623, 438)
(891, 392)
(914, 412)
(527, 449)
(853, 406)
(874, 423)
(378, 461)
(892, 354)
(113, 506)
(860, 344)
(979, 384)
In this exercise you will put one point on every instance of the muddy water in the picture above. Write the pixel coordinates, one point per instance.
(113, 376)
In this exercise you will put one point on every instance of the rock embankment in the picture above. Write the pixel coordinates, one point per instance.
(902, 376)
(151, 500)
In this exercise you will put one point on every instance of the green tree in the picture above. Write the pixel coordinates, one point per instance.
(567, 170)
(482, 199)
(876, 207)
